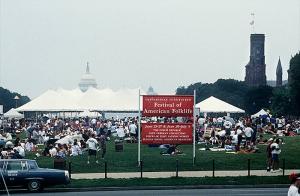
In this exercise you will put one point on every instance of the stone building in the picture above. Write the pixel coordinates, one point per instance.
(256, 68)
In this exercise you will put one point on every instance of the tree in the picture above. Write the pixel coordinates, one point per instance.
(281, 102)
(231, 91)
(294, 83)
(7, 99)
(257, 98)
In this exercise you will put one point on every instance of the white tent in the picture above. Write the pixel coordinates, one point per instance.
(262, 112)
(93, 99)
(214, 105)
(13, 113)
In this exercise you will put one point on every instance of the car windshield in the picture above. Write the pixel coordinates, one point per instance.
(32, 165)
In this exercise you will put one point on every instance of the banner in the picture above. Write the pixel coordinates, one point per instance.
(167, 133)
(168, 106)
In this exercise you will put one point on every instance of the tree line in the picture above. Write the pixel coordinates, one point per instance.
(281, 101)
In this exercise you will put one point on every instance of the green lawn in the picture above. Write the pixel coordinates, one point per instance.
(126, 161)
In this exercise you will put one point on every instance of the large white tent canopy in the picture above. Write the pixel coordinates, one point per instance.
(215, 105)
(13, 113)
(93, 99)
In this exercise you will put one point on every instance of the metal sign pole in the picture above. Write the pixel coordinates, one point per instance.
(139, 136)
(194, 129)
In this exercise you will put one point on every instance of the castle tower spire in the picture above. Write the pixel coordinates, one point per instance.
(279, 73)
(87, 68)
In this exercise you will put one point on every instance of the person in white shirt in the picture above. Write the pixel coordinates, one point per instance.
(29, 146)
(53, 152)
(294, 188)
(20, 150)
(201, 121)
(120, 132)
(92, 148)
(75, 149)
(132, 129)
(8, 137)
(275, 155)
(248, 131)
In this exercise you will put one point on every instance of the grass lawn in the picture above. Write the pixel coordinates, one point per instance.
(126, 161)
(253, 180)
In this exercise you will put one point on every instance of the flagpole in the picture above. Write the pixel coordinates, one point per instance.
(139, 131)
(252, 23)
(194, 129)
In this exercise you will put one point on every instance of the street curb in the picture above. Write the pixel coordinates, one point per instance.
(168, 187)
(87, 189)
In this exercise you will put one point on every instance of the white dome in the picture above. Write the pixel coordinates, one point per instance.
(87, 80)
(87, 77)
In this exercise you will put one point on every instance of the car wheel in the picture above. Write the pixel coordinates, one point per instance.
(34, 185)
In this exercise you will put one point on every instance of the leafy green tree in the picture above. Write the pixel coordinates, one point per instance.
(294, 83)
(257, 98)
(281, 102)
(7, 99)
(231, 91)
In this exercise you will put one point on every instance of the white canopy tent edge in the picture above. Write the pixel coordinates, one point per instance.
(100, 100)
(215, 105)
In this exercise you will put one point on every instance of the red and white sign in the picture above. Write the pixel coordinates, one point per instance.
(168, 105)
(167, 133)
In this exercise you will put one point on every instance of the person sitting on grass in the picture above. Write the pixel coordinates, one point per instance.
(171, 150)
(20, 150)
(61, 151)
(92, 148)
(53, 151)
(29, 146)
(47, 149)
(75, 149)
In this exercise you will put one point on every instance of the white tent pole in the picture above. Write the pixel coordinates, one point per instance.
(139, 137)
(194, 129)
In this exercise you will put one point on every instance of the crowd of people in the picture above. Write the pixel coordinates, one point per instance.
(243, 134)
(65, 137)
(74, 137)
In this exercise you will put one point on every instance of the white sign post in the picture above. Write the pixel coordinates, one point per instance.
(139, 131)
(194, 130)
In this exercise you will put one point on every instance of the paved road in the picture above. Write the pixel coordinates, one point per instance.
(183, 192)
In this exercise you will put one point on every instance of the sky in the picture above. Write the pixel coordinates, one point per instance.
(137, 43)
